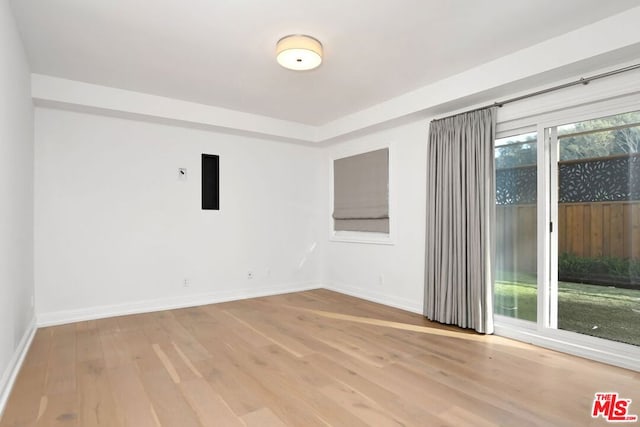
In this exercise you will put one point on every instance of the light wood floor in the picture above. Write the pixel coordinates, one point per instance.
(314, 358)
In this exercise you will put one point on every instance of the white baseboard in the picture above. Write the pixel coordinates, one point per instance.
(169, 303)
(378, 297)
(13, 368)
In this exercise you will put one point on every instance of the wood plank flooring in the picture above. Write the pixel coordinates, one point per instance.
(315, 358)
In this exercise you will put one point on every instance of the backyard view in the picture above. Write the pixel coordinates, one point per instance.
(588, 309)
(598, 227)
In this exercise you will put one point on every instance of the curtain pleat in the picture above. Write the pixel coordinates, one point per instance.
(460, 220)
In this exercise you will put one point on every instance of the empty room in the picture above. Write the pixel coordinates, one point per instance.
(319, 213)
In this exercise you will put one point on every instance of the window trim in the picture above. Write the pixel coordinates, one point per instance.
(364, 237)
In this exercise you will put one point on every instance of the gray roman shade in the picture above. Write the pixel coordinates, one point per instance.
(361, 192)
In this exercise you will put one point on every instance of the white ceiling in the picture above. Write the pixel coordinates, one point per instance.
(221, 52)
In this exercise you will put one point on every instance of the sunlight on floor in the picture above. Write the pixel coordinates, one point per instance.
(413, 328)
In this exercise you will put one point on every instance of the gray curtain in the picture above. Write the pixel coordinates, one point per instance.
(460, 220)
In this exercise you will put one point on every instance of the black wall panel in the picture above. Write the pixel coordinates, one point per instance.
(210, 182)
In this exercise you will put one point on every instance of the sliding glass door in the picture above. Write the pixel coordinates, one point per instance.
(568, 232)
(595, 202)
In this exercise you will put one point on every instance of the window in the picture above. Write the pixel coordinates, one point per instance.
(361, 192)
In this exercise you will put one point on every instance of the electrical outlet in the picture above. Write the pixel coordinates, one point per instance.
(186, 283)
(250, 275)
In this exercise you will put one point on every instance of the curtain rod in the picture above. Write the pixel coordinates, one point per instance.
(580, 81)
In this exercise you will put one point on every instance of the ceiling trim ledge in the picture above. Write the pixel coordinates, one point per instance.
(61, 93)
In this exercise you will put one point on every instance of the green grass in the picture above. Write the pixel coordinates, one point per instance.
(605, 312)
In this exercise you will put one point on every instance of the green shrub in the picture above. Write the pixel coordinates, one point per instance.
(573, 265)
(613, 267)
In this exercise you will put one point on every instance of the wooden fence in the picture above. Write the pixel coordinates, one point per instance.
(593, 229)
(609, 229)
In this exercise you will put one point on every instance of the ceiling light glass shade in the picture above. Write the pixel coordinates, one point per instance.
(299, 52)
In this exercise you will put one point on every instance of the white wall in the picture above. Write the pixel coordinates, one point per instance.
(16, 196)
(390, 274)
(117, 231)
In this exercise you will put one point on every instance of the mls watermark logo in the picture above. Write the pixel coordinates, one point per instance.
(612, 408)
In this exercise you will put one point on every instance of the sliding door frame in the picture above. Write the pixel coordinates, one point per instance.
(544, 331)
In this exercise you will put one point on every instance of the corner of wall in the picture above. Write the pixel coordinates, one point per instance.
(377, 297)
(13, 368)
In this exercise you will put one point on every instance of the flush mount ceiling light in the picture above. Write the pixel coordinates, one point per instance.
(299, 52)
